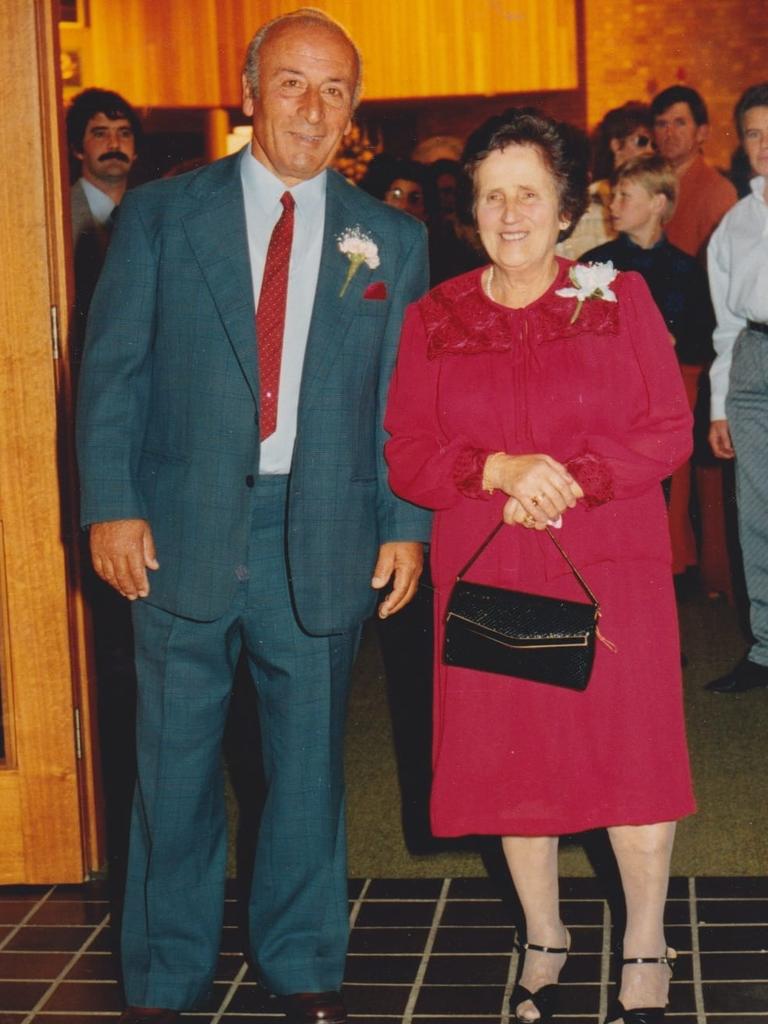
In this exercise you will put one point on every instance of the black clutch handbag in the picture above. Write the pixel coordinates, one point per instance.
(546, 639)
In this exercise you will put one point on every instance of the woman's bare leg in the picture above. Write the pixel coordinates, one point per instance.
(643, 853)
(532, 862)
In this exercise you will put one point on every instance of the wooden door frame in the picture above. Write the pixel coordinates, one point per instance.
(49, 798)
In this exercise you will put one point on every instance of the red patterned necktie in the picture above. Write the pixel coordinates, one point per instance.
(270, 315)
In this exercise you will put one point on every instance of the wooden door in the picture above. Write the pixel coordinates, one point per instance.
(47, 793)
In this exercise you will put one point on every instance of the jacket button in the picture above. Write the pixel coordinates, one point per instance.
(249, 481)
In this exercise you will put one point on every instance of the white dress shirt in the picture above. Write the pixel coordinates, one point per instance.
(262, 192)
(99, 203)
(737, 261)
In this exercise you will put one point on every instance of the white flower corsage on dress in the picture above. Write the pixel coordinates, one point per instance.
(359, 248)
(590, 281)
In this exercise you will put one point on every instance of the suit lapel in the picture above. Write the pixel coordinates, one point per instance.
(331, 313)
(217, 234)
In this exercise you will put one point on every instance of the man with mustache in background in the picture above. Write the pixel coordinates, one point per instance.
(103, 132)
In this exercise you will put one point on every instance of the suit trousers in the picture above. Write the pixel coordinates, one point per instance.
(298, 917)
(747, 410)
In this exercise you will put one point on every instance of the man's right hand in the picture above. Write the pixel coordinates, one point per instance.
(720, 439)
(122, 550)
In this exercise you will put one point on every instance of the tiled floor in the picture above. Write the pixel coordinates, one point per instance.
(422, 950)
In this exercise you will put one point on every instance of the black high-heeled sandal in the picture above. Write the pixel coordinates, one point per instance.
(545, 998)
(642, 1014)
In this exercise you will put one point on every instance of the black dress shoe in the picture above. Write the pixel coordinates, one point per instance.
(314, 1008)
(747, 675)
(148, 1015)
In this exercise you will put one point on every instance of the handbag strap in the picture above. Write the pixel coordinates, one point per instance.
(584, 585)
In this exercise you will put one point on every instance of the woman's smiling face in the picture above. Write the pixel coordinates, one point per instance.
(517, 208)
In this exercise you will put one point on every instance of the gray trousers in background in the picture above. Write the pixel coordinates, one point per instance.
(747, 410)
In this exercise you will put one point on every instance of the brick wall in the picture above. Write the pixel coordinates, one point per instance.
(636, 48)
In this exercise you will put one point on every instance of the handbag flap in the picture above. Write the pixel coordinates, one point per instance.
(519, 619)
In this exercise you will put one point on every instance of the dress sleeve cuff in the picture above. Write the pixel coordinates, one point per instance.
(594, 477)
(468, 472)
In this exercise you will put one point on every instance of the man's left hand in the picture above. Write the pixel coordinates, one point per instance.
(405, 560)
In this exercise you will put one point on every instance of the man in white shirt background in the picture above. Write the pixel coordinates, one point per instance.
(738, 277)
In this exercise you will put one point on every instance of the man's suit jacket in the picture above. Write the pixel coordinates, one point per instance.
(168, 424)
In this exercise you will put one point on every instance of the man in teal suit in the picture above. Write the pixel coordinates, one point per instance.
(230, 537)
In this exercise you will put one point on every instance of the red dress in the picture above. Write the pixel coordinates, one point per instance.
(604, 396)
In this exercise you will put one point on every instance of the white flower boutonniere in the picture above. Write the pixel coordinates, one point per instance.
(358, 248)
(590, 281)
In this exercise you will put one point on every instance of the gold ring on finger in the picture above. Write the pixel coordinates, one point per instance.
(529, 521)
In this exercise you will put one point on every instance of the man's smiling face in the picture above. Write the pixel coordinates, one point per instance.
(307, 79)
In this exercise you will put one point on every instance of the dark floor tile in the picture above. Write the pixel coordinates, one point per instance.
(376, 999)
(237, 1018)
(366, 1019)
(14, 1018)
(232, 940)
(355, 887)
(473, 889)
(474, 940)
(446, 1000)
(743, 1018)
(405, 889)
(228, 966)
(582, 889)
(476, 912)
(104, 942)
(21, 995)
(388, 940)
(33, 966)
(735, 997)
(249, 998)
(587, 939)
(96, 890)
(49, 938)
(96, 996)
(372, 969)
(76, 913)
(682, 997)
(582, 911)
(233, 914)
(400, 915)
(14, 911)
(677, 912)
(23, 892)
(483, 969)
(582, 967)
(679, 937)
(732, 888)
(732, 911)
(738, 966)
(722, 938)
(93, 967)
(678, 888)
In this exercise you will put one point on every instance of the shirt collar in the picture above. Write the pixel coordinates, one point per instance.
(263, 189)
(757, 184)
(99, 203)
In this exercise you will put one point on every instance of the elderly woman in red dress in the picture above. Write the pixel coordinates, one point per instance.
(543, 392)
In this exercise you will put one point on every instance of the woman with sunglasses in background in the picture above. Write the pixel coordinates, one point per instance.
(624, 133)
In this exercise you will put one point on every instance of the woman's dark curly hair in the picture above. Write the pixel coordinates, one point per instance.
(558, 145)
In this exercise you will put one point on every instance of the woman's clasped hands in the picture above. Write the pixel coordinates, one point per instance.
(540, 488)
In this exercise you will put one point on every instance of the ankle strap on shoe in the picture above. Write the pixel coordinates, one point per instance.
(542, 949)
(668, 959)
